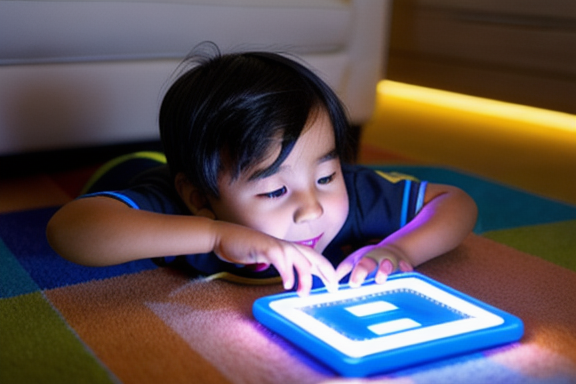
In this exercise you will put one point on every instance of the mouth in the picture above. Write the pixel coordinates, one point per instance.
(310, 242)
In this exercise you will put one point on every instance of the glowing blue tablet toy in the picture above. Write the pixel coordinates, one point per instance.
(375, 328)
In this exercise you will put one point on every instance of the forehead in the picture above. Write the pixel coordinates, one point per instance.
(315, 144)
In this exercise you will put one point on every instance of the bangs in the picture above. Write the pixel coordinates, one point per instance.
(228, 112)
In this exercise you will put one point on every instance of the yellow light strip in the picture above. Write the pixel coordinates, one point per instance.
(478, 105)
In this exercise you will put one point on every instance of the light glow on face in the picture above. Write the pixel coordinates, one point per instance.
(375, 324)
(304, 202)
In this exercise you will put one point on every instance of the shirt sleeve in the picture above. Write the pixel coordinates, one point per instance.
(151, 190)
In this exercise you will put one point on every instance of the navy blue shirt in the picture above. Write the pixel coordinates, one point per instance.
(380, 204)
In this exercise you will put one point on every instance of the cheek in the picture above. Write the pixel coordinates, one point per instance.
(272, 222)
(335, 214)
(339, 205)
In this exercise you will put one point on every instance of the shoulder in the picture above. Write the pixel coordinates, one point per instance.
(151, 190)
(372, 191)
(361, 172)
(367, 180)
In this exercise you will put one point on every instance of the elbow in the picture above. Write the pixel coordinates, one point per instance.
(474, 214)
(82, 232)
(64, 240)
(56, 237)
(467, 211)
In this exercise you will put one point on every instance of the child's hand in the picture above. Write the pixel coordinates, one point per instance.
(385, 258)
(242, 245)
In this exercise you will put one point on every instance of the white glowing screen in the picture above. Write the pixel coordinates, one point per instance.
(377, 318)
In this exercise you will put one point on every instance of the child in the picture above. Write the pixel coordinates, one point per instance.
(257, 146)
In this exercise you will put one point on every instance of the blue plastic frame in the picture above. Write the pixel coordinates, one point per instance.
(509, 330)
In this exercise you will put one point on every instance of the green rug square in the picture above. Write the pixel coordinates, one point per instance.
(38, 346)
(555, 242)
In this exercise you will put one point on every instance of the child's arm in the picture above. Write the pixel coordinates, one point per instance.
(447, 217)
(100, 231)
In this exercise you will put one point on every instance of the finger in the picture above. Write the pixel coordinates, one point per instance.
(346, 266)
(405, 266)
(343, 269)
(303, 268)
(288, 279)
(304, 285)
(361, 270)
(321, 267)
(327, 274)
(384, 270)
(284, 268)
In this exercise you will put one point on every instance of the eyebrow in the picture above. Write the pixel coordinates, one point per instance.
(264, 173)
(330, 155)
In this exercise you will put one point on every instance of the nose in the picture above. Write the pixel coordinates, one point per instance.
(308, 207)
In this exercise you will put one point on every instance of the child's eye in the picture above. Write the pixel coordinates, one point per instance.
(326, 179)
(274, 194)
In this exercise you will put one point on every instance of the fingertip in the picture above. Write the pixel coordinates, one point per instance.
(332, 287)
(287, 280)
(330, 284)
(386, 267)
(357, 277)
(303, 290)
(354, 284)
(303, 293)
(381, 278)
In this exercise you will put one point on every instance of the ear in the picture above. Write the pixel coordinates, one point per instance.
(195, 200)
(183, 186)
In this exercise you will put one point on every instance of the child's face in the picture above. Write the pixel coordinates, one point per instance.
(304, 202)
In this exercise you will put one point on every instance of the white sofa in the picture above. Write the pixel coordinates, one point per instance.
(79, 73)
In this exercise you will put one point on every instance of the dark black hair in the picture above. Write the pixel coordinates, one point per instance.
(228, 109)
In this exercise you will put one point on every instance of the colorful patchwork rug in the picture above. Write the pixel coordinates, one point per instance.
(137, 323)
